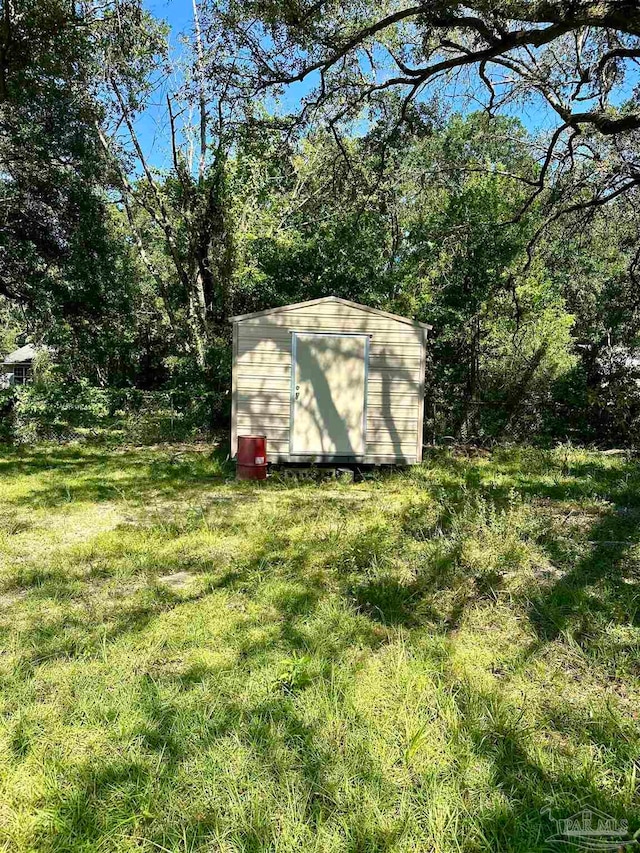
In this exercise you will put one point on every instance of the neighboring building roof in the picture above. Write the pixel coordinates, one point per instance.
(325, 299)
(20, 356)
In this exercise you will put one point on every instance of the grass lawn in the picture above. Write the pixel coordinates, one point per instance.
(442, 659)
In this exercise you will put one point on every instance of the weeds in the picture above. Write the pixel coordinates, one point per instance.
(440, 659)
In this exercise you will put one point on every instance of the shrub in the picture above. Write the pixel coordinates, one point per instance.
(7, 406)
(55, 410)
(63, 411)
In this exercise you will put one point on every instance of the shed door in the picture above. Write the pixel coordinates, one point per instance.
(328, 405)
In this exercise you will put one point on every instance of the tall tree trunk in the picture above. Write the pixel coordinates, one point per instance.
(198, 317)
(127, 197)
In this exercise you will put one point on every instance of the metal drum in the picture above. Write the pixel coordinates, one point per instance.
(252, 457)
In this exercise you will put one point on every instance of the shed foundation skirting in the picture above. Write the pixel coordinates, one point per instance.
(330, 381)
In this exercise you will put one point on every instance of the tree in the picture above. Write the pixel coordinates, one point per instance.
(60, 256)
(593, 267)
(187, 209)
(574, 58)
(414, 228)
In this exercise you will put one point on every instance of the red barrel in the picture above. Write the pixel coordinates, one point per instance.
(252, 457)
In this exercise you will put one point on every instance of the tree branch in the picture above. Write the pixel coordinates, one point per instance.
(163, 220)
(127, 195)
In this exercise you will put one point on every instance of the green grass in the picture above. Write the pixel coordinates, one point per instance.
(423, 661)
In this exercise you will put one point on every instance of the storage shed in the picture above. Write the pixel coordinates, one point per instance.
(330, 381)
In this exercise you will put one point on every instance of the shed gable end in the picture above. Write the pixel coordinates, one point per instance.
(264, 368)
(335, 305)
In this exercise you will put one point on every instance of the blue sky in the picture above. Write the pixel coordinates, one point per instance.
(177, 13)
(152, 127)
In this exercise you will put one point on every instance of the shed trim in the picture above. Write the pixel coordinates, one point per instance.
(234, 392)
(331, 299)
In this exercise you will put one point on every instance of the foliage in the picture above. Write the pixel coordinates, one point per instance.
(129, 271)
(574, 63)
(57, 254)
(59, 410)
(424, 232)
(7, 406)
(439, 660)
(10, 326)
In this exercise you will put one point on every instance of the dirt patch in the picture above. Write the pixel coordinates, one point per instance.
(178, 580)
(8, 599)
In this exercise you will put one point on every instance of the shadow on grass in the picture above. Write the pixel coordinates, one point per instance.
(84, 634)
(92, 475)
(192, 715)
(101, 796)
(288, 779)
(236, 758)
(528, 794)
(593, 590)
(602, 587)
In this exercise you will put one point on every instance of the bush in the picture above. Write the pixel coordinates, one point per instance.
(55, 410)
(63, 411)
(7, 406)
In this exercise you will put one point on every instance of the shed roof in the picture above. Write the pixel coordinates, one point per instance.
(329, 299)
(20, 356)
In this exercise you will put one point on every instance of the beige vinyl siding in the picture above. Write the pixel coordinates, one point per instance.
(277, 352)
(325, 324)
(267, 408)
(279, 337)
(262, 378)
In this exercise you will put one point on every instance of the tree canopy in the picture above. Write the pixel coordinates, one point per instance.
(574, 60)
(404, 171)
